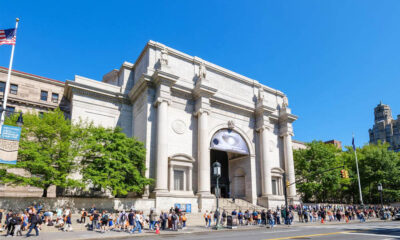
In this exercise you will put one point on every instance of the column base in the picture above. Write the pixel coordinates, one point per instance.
(160, 193)
(207, 201)
(271, 201)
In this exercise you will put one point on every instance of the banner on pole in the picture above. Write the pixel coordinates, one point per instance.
(9, 143)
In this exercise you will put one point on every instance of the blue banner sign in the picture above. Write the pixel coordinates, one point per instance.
(10, 132)
(184, 207)
(9, 143)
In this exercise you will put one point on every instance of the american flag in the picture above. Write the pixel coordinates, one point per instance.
(8, 36)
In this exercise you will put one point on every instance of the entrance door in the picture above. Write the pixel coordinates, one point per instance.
(239, 185)
(222, 158)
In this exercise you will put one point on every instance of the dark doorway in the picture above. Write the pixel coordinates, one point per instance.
(222, 158)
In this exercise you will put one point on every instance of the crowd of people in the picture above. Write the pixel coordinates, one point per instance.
(305, 214)
(132, 221)
(35, 217)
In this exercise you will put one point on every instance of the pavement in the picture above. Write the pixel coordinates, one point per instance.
(374, 229)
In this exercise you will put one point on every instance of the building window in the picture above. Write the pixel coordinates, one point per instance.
(10, 111)
(178, 180)
(2, 87)
(43, 95)
(54, 97)
(276, 188)
(14, 89)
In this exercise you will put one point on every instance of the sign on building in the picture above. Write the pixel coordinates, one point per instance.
(9, 143)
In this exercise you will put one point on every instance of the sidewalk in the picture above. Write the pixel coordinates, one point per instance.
(86, 235)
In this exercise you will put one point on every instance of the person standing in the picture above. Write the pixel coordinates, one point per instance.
(18, 226)
(68, 222)
(95, 221)
(83, 215)
(1, 217)
(131, 220)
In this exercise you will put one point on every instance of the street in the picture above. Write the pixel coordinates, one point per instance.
(365, 231)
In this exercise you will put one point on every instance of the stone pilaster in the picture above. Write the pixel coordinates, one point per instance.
(162, 147)
(286, 132)
(266, 184)
(163, 82)
(289, 164)
(203, 153)
(203, 92)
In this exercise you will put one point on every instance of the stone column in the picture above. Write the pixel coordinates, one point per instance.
(203, 153)
(171, 178)
(189, 180)
(265, 164)
(162, 147)
(289, 164)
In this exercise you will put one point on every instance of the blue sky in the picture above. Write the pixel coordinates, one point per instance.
(334, 59)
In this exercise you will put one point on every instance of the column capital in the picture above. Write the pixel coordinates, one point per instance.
(285, 134)
(201, 111)
(159, 100)
(264, 128)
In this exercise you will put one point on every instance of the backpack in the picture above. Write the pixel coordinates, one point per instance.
(13, 221)
(174, 217)
(104, 218)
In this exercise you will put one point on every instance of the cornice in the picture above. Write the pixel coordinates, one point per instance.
(33, 77)
(72, 86)
(202, 90)
(209, 66)
(287, 117)
(162, 77)
(143, 82)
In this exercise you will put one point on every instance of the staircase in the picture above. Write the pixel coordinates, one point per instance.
(239, 204)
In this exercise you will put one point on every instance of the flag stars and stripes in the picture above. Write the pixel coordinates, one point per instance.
(8, 36)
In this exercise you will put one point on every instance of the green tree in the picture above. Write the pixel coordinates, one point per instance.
(376, 164)
(311, 165)
(46, 151)
(114, 162)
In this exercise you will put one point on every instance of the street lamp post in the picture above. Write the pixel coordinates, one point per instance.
(217, 175)
(20, 120)
(380, 189)
(285, 185)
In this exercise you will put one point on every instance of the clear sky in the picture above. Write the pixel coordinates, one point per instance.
(335, 59)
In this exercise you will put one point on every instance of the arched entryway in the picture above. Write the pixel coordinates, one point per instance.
(230, 149)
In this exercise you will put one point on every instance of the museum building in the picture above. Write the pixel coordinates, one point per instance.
(191, 113)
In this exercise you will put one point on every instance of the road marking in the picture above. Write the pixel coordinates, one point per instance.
(311, 235)
(373, 234)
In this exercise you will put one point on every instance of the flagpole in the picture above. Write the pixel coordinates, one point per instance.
(7, 89)
(358, 174)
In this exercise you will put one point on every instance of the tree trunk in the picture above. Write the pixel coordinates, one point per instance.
(45, 191)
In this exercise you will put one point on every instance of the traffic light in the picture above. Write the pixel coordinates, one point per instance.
(346, 174)
(343, 173)
(287, 183)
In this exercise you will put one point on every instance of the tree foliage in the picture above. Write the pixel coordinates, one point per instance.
(52, 149)
(114, 162)
(311, 165)
(45, 151)
(376, 164)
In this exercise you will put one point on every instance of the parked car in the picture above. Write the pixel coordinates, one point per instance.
(397, 216)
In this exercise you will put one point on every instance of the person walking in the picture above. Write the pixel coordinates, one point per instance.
(34, 221)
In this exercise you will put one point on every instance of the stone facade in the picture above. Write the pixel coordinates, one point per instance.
(26, 96)
(385, 128)
(336, 143)
(299, 145)
(177, 104)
